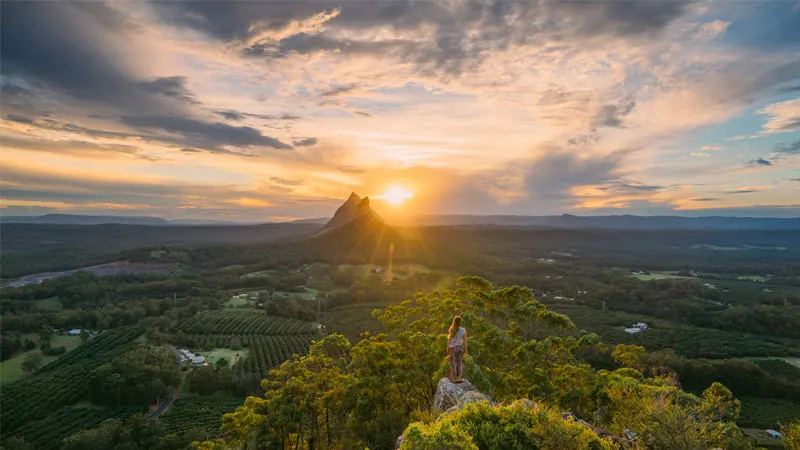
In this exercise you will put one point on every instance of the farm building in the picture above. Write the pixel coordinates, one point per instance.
(774, 434)
(637, 328)
(73, 332)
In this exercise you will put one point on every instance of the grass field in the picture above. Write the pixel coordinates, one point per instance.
(215, 354)
(11, 369)
(238, 300)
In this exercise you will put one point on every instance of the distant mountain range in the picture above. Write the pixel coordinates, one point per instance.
(350, 209)
(77, 219)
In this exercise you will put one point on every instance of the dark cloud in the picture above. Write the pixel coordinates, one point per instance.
(69, 47)
(789, 89)
(742, 191)
(18, 118)
(554, 173)
(191, 150)
(173, 87)
(234, 115)
(462, 32)
(760, 162)
(706, 199)
(305, 142)
(625, 185)
(362, 114)
(208, 135)
(782, 150)
(612, 115)
(339, 90)
(230, 114)
(8, 88)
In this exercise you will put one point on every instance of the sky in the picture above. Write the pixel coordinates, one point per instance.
(274, 111)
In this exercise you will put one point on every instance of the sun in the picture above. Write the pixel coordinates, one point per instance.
(396, 195)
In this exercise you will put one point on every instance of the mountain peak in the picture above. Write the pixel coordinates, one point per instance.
(354, 208)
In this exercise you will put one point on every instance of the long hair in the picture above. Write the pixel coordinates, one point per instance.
(454, 327)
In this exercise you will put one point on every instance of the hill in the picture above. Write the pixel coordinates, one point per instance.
(74, 219)
(622, 222)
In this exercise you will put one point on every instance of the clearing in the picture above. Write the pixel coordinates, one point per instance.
(11, 369)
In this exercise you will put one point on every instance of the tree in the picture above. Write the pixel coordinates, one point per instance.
(45, 335)
(85, 334)
(32, 361)
(222, 362)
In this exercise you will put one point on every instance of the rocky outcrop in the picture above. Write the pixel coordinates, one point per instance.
(448, 393)
(353, 209)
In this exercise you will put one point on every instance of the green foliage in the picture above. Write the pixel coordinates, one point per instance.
(791, 436)
(243, 322)
(519, 425)
(345, 396)
(62, 382)
(199, 413)
(32, 361)
(143, 375)
(48, 433)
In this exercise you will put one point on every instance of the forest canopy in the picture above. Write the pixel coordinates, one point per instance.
(525, 357)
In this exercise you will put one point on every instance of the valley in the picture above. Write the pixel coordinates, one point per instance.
(242, 307)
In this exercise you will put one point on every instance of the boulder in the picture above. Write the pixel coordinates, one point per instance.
(470, 397)
(448, 393)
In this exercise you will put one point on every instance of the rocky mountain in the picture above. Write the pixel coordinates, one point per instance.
(355, 210)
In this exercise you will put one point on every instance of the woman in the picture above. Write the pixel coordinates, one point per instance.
(456, 348)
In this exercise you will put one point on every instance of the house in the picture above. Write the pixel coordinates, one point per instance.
(633, 330)
(773, 434)
(198, 359)
(74, 332)
(640, 325)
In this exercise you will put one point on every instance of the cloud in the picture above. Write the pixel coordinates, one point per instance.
(699, 155)
(208, 135)
(553, 174)
(783, 150)
(173, 87)
(305, 142)
(746, 190)
(713, 148)
(77, 147)
(612, 115)
(231, 114)
(714, 28)
(80, 49)
(285, 182)
(706, 199)
(783, 117)
(339, 90)
(760, 162)
(437, 37)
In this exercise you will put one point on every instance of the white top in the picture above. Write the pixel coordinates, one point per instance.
(458, 339)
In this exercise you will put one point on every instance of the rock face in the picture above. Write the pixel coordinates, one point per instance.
(448, 394)
(353, 209)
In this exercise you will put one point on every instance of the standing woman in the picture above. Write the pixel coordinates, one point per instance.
(456, 348)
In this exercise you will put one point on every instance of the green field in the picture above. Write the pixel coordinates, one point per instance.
(11, 369)
(767, 412)
(215, 354)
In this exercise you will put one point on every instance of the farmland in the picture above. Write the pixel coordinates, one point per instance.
(243, 322)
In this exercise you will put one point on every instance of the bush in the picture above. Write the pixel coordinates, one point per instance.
(54, 351)
(521, 425)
